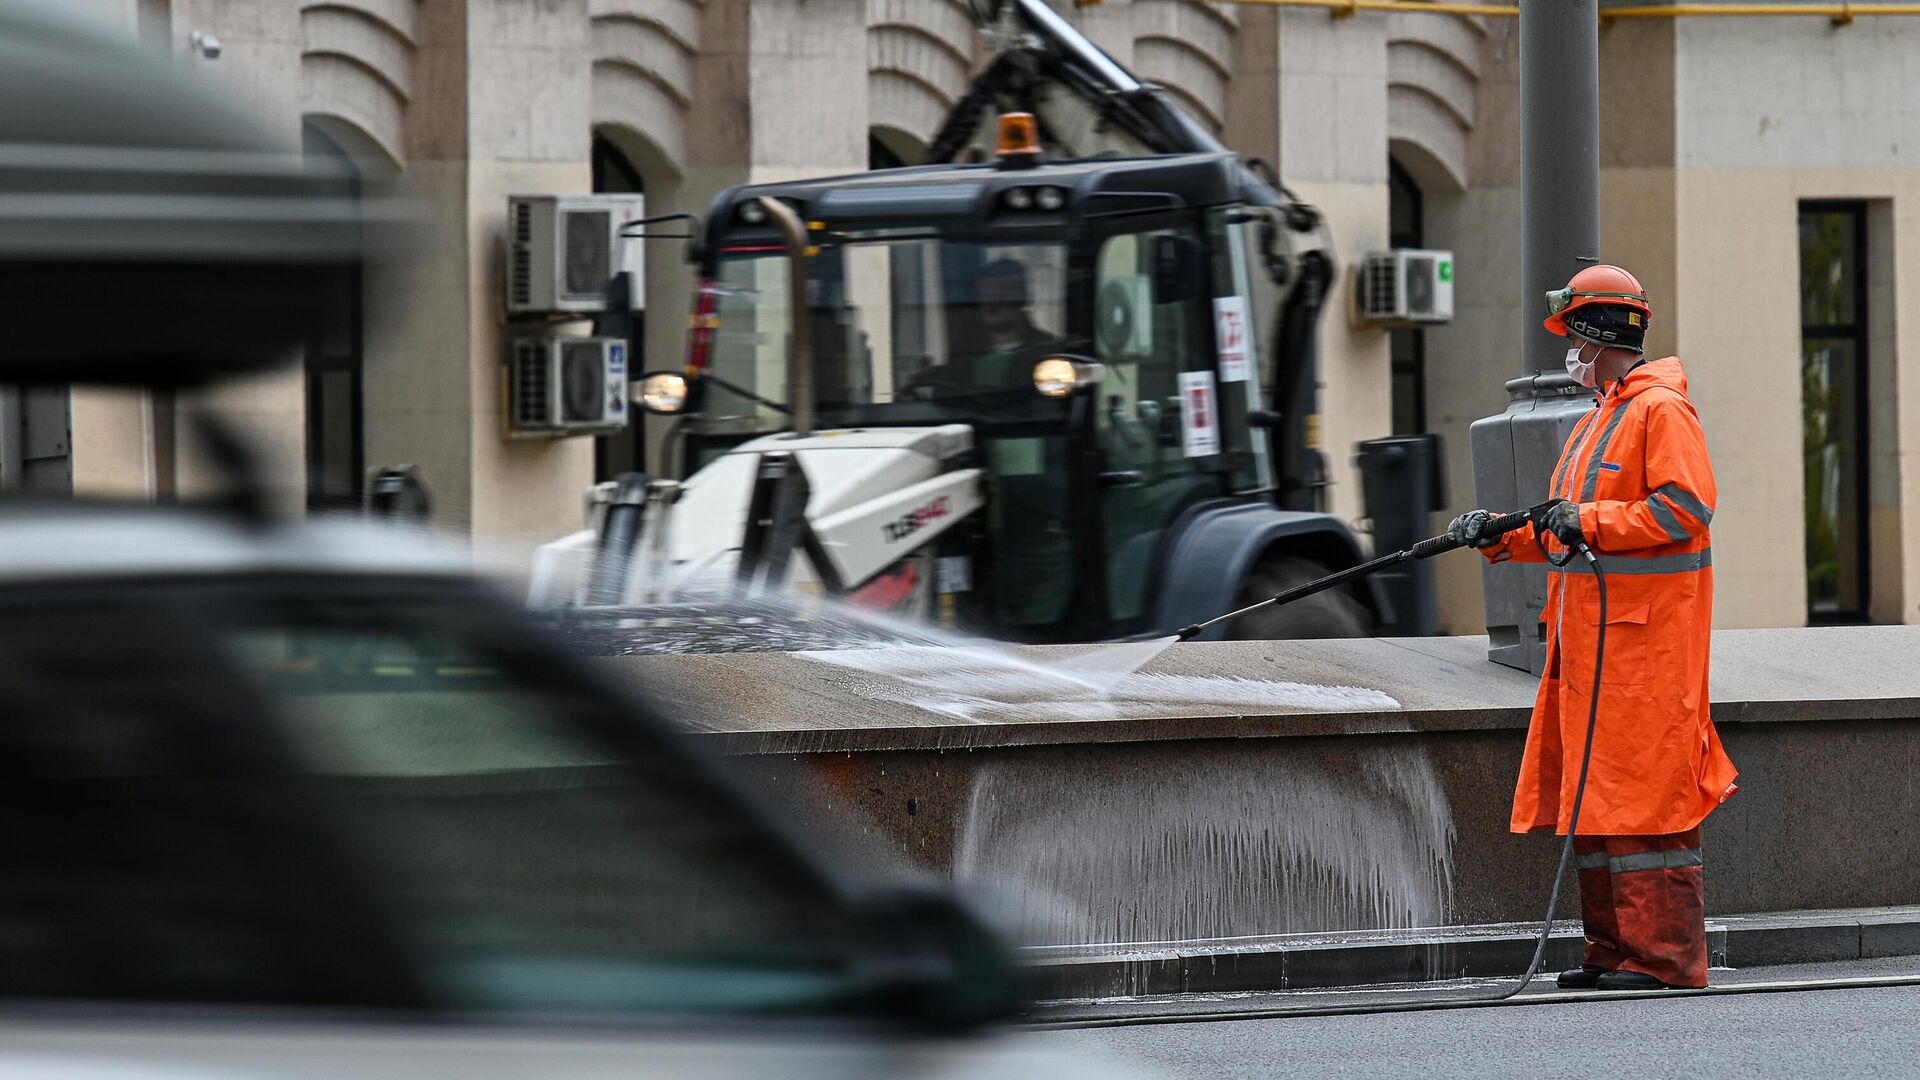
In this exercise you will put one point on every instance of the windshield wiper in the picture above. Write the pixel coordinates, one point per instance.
(745, 393)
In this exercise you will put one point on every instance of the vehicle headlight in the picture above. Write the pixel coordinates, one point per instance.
(1058, 376)
(663, 393)
(1018, 198)
(753, 213)
(1050, 198)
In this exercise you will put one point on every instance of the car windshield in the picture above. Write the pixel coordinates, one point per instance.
(373, 801)
(932, 326)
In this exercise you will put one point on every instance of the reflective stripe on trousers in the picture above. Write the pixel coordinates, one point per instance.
(1642, 860)
(1643, 905)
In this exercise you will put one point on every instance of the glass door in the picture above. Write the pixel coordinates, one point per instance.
(1158, 421)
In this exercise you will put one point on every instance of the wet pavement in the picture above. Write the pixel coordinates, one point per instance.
(1829, 1033)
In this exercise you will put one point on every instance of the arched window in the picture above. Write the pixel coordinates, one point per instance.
(891, 148)
(612, 173)
(880, 157)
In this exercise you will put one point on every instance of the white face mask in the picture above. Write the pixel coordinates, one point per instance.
(1581, 370)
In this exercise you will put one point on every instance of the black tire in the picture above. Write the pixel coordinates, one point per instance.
(1336, 613)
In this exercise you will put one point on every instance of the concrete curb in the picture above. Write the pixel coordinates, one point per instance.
(1319, 961)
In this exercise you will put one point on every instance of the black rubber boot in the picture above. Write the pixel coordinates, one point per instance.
(1631, 980)
(1580, 978)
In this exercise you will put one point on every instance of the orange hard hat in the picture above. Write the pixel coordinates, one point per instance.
(1595, 285)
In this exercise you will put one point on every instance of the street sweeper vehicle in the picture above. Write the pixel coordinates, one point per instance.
(1058, 386)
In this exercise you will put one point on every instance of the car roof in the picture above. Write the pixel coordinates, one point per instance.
(91, 542)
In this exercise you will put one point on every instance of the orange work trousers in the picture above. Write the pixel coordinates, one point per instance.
(1643, 900)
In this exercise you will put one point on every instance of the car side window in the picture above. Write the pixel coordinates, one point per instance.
(363, 803)
(534, 863)
(142, 857)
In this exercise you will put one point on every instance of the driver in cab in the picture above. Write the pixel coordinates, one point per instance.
(1009, 327)
(999, 342)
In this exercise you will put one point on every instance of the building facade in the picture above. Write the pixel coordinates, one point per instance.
(1755, 173)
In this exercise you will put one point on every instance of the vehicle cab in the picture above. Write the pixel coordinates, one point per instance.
(1084, 334)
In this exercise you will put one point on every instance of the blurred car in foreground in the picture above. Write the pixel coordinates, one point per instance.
(305, 799)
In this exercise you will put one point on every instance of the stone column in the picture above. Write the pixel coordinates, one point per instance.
(421, 364)
(806, 79)
(260, 54)
(529, 132)
(1332, 151)
(111, 441)
(500, 107)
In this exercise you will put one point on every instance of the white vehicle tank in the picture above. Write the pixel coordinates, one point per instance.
(876, 495)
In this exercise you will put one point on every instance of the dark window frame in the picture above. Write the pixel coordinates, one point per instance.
(1412, 237)
(613, 455)
(1857, 333)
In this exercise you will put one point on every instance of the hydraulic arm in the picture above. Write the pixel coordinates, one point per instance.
(1087, 105)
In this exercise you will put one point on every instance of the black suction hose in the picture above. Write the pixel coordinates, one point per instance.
(1425, 549)
(1586, 759)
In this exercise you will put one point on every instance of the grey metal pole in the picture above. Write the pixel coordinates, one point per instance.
(799, 340)
(13, 438)
(1559, 160)
(1514, 452)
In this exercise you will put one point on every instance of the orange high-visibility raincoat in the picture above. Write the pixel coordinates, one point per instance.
(1637, 465)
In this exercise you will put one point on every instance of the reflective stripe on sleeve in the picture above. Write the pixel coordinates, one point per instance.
(1668, 520)
(1628, 563)
(1600, 451)
(1590, 860)
(1655, 860)
(1686, 500)
(1572, 452)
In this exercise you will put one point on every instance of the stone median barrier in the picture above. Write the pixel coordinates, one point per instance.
(1243, 801)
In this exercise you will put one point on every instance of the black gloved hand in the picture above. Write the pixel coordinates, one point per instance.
(1465, 529)
(1562, 519)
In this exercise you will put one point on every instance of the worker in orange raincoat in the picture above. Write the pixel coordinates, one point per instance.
(1635, 485)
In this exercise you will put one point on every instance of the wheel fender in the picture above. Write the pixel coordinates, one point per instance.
(1213, 551)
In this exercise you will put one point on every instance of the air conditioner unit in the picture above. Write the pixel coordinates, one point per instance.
(563, 249)
(1123, 317)
(559, 385)
(1403, 287)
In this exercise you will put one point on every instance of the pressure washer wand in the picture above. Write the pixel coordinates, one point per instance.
(1425, 549)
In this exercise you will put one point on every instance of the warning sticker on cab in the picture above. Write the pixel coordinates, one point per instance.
(1230, 337)
(1199, 419)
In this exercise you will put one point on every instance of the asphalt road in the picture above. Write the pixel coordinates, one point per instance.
(1825, 1033)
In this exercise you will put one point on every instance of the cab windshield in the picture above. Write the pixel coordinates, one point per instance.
(907, 329)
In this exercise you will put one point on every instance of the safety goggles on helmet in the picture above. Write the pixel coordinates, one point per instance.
(1605, 323)
(1558, 299)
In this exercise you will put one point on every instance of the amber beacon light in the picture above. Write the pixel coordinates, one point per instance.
(1019, 144)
